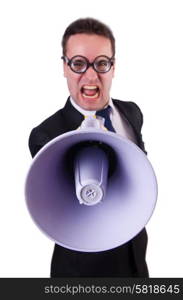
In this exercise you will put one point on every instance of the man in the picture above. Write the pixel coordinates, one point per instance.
(89, 63)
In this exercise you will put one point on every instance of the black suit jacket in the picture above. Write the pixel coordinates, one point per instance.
(127, 260)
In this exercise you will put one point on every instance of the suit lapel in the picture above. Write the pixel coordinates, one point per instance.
(134, 117)
(73, 117)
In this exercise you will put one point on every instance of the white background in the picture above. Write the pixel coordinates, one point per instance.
(149, 72)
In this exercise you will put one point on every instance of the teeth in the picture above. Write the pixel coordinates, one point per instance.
(90, 87)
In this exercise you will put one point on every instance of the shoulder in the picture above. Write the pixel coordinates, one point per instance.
(51, 123)
(45, 131)
(63, 120)
(128, 106)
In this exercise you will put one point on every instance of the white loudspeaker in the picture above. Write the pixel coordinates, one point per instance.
(90, 189)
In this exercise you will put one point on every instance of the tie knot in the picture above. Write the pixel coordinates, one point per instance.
(104, 112)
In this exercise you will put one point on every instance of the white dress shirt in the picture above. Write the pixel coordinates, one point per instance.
(120, 123)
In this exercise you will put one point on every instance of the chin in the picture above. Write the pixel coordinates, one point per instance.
(93, 107)
(90, 104)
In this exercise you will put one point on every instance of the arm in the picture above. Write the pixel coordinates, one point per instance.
(37, 139)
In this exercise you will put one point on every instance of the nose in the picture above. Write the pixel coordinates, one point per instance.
(91, 74)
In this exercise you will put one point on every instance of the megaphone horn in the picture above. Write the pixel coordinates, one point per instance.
(90, 189)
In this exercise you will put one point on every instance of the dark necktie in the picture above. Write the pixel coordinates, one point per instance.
(104, 113)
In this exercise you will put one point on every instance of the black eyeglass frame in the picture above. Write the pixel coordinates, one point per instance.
(88, 64)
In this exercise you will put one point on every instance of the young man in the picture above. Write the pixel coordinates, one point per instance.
(89, 64)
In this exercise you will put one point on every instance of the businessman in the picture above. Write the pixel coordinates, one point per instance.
(89, 65)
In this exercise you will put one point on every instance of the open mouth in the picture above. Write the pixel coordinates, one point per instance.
(90, 91)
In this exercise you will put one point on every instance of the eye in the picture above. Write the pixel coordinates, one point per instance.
(78, 64)
(102, 65)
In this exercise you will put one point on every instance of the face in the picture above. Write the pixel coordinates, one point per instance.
(90, 90)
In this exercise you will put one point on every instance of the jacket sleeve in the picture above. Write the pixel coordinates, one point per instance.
(142, 144)
(37, 139)
(138, 120)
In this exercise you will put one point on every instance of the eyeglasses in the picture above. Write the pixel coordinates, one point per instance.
(79, 64)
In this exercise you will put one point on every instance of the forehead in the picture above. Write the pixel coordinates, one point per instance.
(88, 45)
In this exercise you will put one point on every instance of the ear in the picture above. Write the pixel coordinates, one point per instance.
(64, 69)
(114, 67)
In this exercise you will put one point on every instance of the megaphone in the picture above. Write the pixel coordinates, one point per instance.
(90, 189)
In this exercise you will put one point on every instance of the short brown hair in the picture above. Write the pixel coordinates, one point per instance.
(88, 26)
